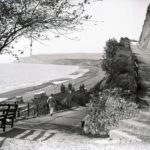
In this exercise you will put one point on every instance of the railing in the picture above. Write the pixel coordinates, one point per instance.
(37, 107)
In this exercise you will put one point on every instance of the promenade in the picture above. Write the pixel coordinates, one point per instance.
(58, 133)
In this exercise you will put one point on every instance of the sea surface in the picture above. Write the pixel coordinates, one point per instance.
(14, 76)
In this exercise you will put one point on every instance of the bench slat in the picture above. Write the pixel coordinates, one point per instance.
(8, 112)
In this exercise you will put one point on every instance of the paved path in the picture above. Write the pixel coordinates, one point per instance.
(55, 133)
(44, 127)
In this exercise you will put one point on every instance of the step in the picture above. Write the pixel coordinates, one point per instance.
(29, 134)
(14, 144)
(144, 117)
(146, 98)
(121, 135)
(133, 127)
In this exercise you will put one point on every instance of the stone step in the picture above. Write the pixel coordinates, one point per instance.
(146, 98)
(144, 117)
(121, 135)
(144, 103)
(135, 127)
(14, 144)
(29, 134)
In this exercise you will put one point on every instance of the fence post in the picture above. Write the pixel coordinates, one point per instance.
(28, 110)
(34, 110)
(18, 112)
(37, 110)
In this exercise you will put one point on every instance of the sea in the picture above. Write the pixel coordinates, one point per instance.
(14, 76)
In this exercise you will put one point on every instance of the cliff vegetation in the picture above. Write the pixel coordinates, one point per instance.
(114, 98)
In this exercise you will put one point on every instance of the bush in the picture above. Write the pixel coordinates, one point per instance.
(81, 88)
(97, 121)
(41, 102)
(68, 100)
(105, 111)
(62, 88)
(81, 98)
(70, 87)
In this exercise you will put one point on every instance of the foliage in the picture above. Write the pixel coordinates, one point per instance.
(81, 98)
(40, 101)
(70, 87)
(30, 18)
(118, 63)
(110, 51)
(62, 88)
(97, 120)
(67, 100)
(106, 109)
(81, 88)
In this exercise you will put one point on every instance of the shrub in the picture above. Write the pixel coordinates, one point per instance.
(68, 100)
(41, 102)
(105, 111)
(97, 120)
(81, 88)
(70, 87)
(73, 90)
(81, 98)
(62, 88)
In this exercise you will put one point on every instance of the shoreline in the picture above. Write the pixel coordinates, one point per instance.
(31, 87)
(90, 78)
(19, 91)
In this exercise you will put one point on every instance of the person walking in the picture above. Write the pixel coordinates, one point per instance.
(51, 102)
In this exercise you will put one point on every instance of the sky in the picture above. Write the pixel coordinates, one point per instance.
(110, 19)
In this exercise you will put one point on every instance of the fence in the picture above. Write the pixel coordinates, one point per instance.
(37, 106)
(32, 110)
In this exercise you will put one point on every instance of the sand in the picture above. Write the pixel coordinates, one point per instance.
(89, 79)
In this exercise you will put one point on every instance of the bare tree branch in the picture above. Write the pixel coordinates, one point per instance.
(23, 17)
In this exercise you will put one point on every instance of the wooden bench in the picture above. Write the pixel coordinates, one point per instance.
(7, 114)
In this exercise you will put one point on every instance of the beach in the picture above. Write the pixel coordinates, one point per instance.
(89, 79)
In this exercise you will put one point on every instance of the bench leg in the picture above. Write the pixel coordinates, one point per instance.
(12, 123)
(4, 125)
(4, 128)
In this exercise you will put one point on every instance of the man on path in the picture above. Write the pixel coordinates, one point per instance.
(51, 102)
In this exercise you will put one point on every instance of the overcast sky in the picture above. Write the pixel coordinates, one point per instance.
(111, 18)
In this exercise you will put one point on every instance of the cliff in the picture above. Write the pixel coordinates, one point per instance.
(145, 35)
(64, 59)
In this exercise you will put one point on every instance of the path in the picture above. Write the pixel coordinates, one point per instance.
(59, 133)
(44, 127)
(46, 133)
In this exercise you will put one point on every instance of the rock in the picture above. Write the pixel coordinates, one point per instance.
(145, 35)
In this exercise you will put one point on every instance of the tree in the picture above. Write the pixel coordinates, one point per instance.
(70, 87)
(62, 88)
(118, 63)
(30, 18)
(108, 58)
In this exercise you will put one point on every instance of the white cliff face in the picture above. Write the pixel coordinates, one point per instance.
(145, 35)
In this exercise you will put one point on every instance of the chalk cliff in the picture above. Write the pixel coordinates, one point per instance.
(145, 35)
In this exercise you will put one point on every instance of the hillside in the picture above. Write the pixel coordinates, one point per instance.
(64, 59)
(145, 35)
